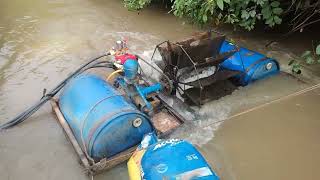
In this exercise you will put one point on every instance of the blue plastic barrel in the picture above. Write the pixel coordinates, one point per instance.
(253, 65)
(102, 120)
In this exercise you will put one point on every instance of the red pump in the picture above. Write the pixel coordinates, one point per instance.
(124, 57)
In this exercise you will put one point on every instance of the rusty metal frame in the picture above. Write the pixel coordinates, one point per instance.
(194, 67)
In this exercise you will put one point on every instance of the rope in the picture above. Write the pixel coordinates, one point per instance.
(268, 103)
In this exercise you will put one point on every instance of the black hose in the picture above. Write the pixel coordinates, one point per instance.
(31, 110)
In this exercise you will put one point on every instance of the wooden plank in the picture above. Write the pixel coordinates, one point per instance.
(165, 123)
(91, 168)
(65, 126)
(106, 164)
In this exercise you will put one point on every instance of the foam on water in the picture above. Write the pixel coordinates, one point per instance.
(201, 129)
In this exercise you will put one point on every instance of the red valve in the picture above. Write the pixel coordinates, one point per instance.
(124, 57)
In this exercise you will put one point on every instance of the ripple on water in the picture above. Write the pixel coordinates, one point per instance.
(244, 98)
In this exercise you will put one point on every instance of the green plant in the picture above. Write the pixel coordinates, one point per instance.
(308, 57)
(243, 13)
(299, 14)
(136, 4)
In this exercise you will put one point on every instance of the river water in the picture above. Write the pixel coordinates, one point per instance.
(41, 42)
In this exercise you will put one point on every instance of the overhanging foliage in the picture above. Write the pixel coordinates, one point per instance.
(243, 13)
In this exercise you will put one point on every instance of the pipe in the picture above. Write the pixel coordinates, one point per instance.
(113, 74)
(150, 89)
(27, 113)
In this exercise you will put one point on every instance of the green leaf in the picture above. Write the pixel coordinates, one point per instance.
(306, 54)
(252, 13)
(245, 14)
(296, 68)
(277, 11)
(275, 4)
(220, 4)
(260, 2)
(227, 1)
(309, 60)
(266, 13)
(205, 18)
(277, 20)
(270, 22)
(318, 50)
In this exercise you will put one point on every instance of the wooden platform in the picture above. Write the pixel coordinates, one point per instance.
(90, 166)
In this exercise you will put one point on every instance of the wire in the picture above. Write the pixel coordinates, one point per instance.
(46, 97)
(311, 88)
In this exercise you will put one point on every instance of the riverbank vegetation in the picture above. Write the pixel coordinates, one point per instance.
(295, 15)
(243, 13)
(309, 57)
(298, 14)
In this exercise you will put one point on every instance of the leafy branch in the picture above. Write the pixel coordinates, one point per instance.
(243, 13)
(308, 57)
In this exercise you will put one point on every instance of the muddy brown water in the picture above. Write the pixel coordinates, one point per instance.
(42, 41)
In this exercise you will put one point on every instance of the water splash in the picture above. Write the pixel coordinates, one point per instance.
(200, 128)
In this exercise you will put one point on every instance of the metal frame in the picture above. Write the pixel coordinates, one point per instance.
(91, 167)
(176, 67)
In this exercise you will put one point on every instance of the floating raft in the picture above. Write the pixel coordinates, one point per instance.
(103, 126)
(106, 120)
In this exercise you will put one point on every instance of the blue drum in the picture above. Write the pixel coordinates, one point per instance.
(252, 65)
(102, 120)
